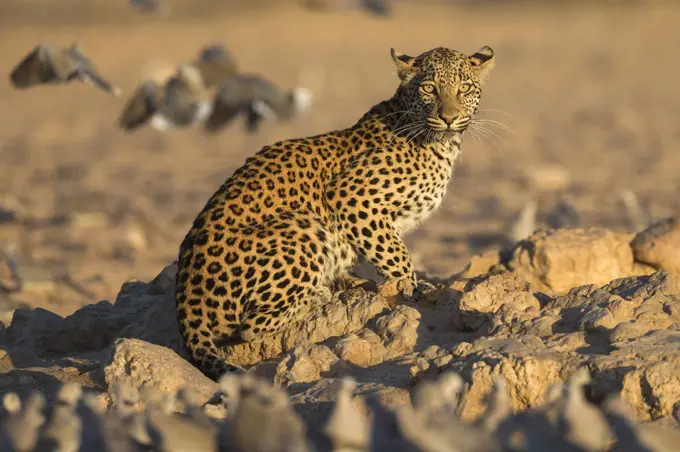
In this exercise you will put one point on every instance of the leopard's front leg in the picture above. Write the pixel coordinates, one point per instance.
(377, 241)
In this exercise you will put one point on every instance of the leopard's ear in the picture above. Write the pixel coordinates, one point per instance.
(483, 62)
(404, 65)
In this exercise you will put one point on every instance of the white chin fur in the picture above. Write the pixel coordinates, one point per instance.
(302, 98)
(161, 123)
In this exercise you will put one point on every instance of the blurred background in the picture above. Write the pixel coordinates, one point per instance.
(586, 93)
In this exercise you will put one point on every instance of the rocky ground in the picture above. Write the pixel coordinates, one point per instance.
(567, 340)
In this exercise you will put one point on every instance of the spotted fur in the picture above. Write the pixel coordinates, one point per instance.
(292, 220)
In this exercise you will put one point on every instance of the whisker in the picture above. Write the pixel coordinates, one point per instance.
(407, 129)
(416, 135)
(490, 140)
(493, 133)
(427, 135)
(406, 126)
(411, 131)
(404, 112)
(491, 122)
(483, 110)
(484, 133)
(473, 135)
(406, 133)
(430, 135)
(479, 137)
(395, 113)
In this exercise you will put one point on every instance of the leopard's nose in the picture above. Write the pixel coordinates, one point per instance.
(448, 119)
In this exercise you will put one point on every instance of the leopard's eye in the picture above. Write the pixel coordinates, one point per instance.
(464, 88)
(427, 88)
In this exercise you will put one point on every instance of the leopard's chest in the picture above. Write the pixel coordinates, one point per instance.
(424, 195)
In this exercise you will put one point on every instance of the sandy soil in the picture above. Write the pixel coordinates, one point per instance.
(590, 89)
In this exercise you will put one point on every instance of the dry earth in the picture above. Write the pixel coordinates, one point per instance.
(588, 91)
(585, 88)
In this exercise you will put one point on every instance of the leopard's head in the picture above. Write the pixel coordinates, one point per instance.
(441, 88)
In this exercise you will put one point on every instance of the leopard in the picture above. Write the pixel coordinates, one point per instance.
(274, 238)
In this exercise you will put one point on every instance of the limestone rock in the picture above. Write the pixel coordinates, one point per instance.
(143, 363)
(363, 349)
(347, 428)
(653, 391)
(515, 341)
(481, 264)
(398, 330)
(262, 418)
(150, 311)
(305, 363)
(625, 331)
(659, 245)
(633, 437)
(489, 295)
(556, 260)
(315, 402)
(652, 302)
(23, 421)
(91, 328)
(29, 327)
(342, 316)
(164, 282)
